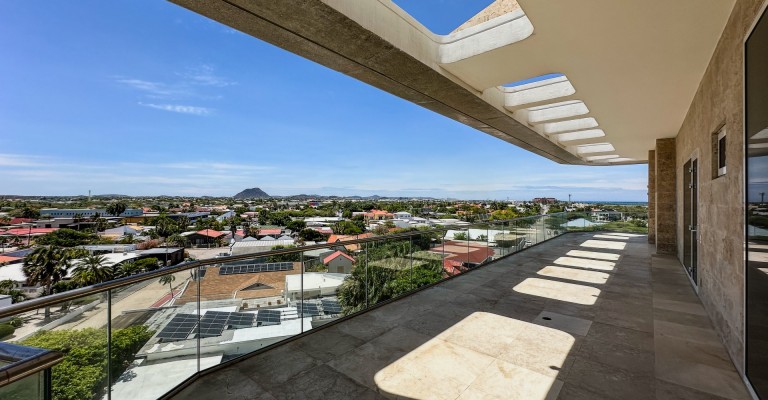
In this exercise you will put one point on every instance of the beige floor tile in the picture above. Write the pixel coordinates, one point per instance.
(574, 274)
(599, 265)
(486, 333)
(604, 244)
(509, 381)
(565, 323)
(598, 255)
(556, 290)
(437, 369)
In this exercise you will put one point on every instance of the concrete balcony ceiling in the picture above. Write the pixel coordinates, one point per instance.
(582, 316)
(628, 68)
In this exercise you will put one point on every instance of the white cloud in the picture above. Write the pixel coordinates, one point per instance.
(179, 108)
(153, 89)
(20, 160)
(204, 76)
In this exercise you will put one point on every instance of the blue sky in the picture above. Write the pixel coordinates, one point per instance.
(143, 97)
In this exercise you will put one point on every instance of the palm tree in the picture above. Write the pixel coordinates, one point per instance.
(91, 270)
(127, 268)
(168, 279)
(46, 266)
(178, 240)
(8, 287)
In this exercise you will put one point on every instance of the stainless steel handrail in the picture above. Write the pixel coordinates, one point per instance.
(25, 361)
(57, 298)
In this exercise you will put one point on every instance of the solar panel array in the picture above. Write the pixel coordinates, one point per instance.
(212, 324)
(253, 268)
(331, 306)
(241, 320)
(179, 328)
(308, 309)
(268, 317)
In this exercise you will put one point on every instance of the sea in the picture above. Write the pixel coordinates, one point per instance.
(615, 203)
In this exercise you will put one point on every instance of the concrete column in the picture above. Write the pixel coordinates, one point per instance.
(666, 218)
(651, 196)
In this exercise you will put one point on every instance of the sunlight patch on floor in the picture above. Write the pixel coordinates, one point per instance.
(614, 237)
(604, 244)
(586, 263)
(570, 292)
(482, 356)
(594, 254)
(574, 274)
(628, 235)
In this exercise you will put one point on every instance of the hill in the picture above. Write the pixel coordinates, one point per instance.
(253, 193)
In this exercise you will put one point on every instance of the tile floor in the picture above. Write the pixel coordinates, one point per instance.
(584, 316)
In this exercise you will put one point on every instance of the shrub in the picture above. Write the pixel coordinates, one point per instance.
(6, 330)
(82, 373)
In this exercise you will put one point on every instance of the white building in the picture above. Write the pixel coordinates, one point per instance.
(246, 246)
(403, 215)
(316, 284)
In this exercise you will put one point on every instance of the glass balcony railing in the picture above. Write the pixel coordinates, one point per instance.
(140, 337)
(626, 222)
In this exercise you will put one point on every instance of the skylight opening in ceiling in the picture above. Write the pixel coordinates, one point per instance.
(594, 148)
(443, 17)
(601, 158)
(570, 125)
(535, 90)
(533, 80)
(565, 109)
(579, 135)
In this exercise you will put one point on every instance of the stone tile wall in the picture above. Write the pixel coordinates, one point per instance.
(718, 102)
(665, 179)
(652, 196)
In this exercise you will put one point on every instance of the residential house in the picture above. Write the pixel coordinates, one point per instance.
(339, 262)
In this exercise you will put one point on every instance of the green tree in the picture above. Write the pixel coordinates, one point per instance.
(168, 280)
(8, 287)
(292, 257)
(164, 226)
(178, 240)
(309, 234)
(29, 213)
(66, 238)
(116, 208)
(183, 223)
(347, 228)
(127, 268)
(296, 225)
(46, 266)
(91, 270)
(147, 264)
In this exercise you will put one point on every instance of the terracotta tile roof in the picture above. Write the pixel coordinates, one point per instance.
(27, 231)
(338, 253)
(211, 233)
(344, 238)
(7, 259)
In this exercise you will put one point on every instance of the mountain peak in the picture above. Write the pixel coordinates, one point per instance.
(252, 193)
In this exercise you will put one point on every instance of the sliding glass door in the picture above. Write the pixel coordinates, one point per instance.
(756, 142)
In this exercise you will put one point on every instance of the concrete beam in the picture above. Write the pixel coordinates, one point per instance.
(318, 32)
